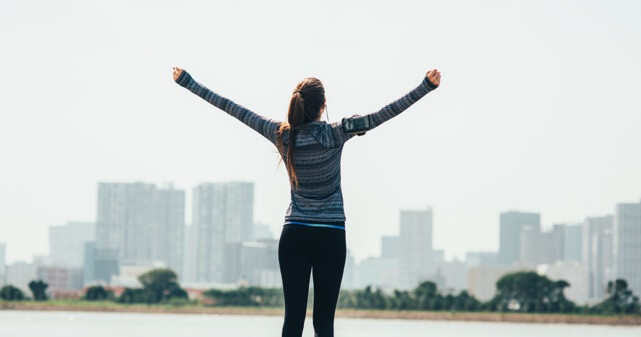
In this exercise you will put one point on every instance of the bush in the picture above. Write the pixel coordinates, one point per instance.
(424, 297)
(246, 296)
(98, 293)
(11, 293)
(137, 295)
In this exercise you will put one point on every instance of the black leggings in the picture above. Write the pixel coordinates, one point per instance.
(321, 250)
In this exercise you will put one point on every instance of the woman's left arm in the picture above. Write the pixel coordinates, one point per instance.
(265, 126)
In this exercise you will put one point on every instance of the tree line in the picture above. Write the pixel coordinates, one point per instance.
(158, 286)
(521, 291)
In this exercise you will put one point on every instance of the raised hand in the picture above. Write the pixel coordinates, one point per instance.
(434, 77)
(177, 72)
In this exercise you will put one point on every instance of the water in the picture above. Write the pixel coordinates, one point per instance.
(70, 324)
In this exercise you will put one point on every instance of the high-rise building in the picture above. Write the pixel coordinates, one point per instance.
(141, 222)
(597, 254)
(208, 204)
(415, 247)
(572, 242)
(169, 230)
(627, 244)
(66, 243)
(88, 262)
(511, 224)
(3, 266)
(222, 213)
(190, 254)
(554, 244)
(531, 242)
(239, 211)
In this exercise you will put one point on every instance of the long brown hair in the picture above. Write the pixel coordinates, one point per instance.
(305, 106)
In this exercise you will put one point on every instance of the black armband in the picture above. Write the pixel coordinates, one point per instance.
(356, 124)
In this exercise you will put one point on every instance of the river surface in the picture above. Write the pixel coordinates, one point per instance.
(71, 324)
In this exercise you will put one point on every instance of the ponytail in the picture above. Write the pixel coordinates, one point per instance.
(304, 107)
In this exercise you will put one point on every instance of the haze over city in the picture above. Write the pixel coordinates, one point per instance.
(538, 109)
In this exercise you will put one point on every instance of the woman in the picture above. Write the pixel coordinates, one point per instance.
(313, 236)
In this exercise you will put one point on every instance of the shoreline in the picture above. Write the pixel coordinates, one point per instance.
(626, 320)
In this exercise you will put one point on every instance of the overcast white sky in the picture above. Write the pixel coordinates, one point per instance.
(538, 109)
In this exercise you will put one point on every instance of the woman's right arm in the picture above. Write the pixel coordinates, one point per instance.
(431, 81)
(265, 126)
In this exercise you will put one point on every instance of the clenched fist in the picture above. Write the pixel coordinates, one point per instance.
(177, 72)
(434, 76)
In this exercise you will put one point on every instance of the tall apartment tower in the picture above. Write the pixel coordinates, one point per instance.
(511, 225)
(415, 247)
(573, 242)
(627, 244)
(3, 266)
(597, 254)
(141, 222)
(223, 213)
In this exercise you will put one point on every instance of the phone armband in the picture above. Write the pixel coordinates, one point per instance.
(356, 124)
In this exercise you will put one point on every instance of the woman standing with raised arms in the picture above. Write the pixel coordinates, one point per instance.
(313, 235)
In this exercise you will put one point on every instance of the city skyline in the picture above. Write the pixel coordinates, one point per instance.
(140, 226)
(190, 209)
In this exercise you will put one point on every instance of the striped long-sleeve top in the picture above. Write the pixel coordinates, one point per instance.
(318, 198)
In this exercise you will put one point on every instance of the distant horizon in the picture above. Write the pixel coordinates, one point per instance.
(276, 234)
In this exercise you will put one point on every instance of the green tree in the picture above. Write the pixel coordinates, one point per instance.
(38, 289)
(368, 299)
(98, 293)
(448, 302)
(160, 284)
(530, 292)
(11, 293)
(427, 296)
(465, 302)
(403, 300)
(620, 299)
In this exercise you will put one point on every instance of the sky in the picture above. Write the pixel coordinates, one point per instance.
(538, 108)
